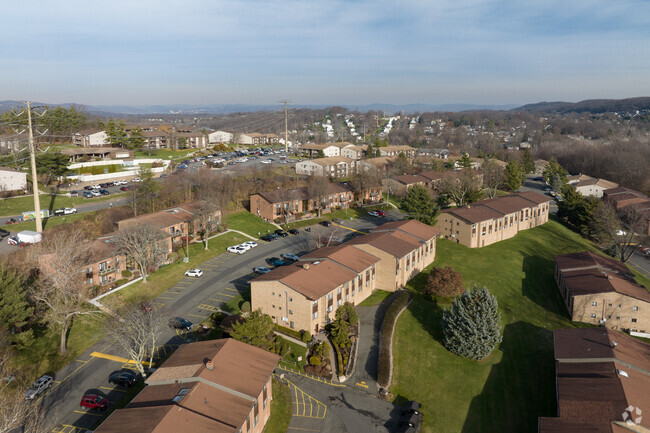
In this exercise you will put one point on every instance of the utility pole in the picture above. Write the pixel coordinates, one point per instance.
(37, 198)
(286, 129)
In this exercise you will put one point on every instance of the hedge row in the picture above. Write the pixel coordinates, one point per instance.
(383, 373)
(339, 359)
(299, 335)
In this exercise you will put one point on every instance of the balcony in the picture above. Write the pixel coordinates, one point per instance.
(107, 270)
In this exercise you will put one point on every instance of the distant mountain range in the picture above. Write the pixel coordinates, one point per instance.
(590, 105)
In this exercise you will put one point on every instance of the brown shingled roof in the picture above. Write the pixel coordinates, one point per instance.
(412, 227)
(345, 255)
(410, 179)
(389, 242)
(474, 214)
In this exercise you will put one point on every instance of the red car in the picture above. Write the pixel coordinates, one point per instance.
(381, 213)
(94, 401)
(126, 188)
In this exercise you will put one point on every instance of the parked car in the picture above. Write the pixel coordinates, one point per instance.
(104, 192)
(136, 179)
(94, 401)
(124, 377)
(281, 233)
(180, 323)
(11, 221)
(381, 213)
(164, 175)
(88, 194)
(265, 162)
(4, 233)
(337, 220)
(245, 246)
(74, 193)
(293, 231)
(103, 185)
(196, 273)
(289, 256)
(261, 270)
(95, 193)
(267, 238)
(275, 261)
(326, 223)
(251, 244)
(39, 387)
(237, 249)
(69, 210)
(373, 213)
(88, 188)
(125, 188)
(57, 212)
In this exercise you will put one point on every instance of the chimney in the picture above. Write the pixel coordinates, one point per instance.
(209, 365)
(305, 266)
(614, 344)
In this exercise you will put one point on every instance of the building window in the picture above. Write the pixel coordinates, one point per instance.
(338, 291)
(618, 317)
(593, 315)
(329, 308)
(338, 303)
(619, 305)
(290, 299)
(315, 315)
(290, 311)
(635, 308)
(594, 304)
(291, 325)
(633, 320)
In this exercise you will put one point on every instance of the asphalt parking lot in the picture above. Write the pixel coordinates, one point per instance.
(194, 299)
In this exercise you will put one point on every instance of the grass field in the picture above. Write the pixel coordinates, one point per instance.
(375, 298)
(164, 153)
(48, 223)
(248, 223)
(280, 409)
(513, 386)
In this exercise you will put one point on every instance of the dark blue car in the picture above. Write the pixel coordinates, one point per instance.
(275, 261)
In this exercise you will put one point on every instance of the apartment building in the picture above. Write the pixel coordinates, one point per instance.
(408, 151)
(91, 138)
(311, 150)
(602, 290)
(602, 379)
(290, 203)
(589, 186)
(489, 221)
(332, 167)
(221, 386)
(380, 164)
(622, 197)
(404, 248)
(355, 152)
(306, 294)
(220, 137)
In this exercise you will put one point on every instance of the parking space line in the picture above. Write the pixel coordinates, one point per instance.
(231, 290)
(88, 413)
(175, 293)
(67, 428)
(348, 228)
(112, 389)
(224, 294)
(115, 358)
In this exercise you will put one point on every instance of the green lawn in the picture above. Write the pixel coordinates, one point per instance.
(375, 298)
(515, 384)
(18, 205)
(291, 359)
(48, 223)
(164, 154)
(248, 223)
(166, 277)
(280, 409)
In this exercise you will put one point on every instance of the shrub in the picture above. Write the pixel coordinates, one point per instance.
(314, 360)
(284, 347)
(121, 281)
(305, 336)
(445, 282)
(127, 274)
(471, 326)
(245, 307)
(347, 313)
(398, 304)
(288, 331)
(339, 359)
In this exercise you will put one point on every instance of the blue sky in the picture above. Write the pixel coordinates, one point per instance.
(324, 52)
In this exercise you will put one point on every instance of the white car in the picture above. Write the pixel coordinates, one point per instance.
(373, 213)
(265, 162)
(136, 179)
(237, 249)
(194, 273)
(95, 193)
(245, 246)
(95, 187)
(120, 182)
(251, 244)
(69, 211)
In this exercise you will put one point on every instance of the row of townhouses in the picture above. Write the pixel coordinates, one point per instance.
(352, 151)
(305, 294)
(290, 204)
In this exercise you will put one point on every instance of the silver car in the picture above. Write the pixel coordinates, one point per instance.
(39, 387)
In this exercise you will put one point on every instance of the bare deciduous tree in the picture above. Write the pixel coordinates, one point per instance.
(493, 175)
(627, 227)
(64, 255)
(462, 189)
(317, 189)
(141, 243)
(206, 220)
(138, 333)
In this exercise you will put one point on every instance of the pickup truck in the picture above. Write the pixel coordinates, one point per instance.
(65, 211)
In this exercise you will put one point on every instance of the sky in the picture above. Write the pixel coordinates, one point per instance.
(338, 52)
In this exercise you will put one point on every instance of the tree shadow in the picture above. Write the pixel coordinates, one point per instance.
(539, 284)
(429, 316)
(518, 389)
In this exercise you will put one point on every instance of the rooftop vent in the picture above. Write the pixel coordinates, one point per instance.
(614, 344)
(209, 365)
(305, 266)
(316, 262)
(173, 211)
(622, 373)
(181, 394)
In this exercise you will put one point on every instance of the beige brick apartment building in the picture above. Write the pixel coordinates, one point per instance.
(489, 221)
(602, 290)
(306, 294)
(220, 386)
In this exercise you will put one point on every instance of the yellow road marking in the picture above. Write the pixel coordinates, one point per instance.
(112, 389)
(348, 228)
(223, 294)
(88, 413)
(208, 307)
(175, 293)
(302, 429)
(362, 384)
(67, 428)
(232, 290)
(115, 358)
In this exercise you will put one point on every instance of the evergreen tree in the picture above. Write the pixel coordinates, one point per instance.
(255, 330)
(527, 162)
(15, 311)
(465, 161)
(420, 205)
(471, 325)
(555, 173)
(513, 176)
(370, 152)
(321, 154)
(136, 140)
